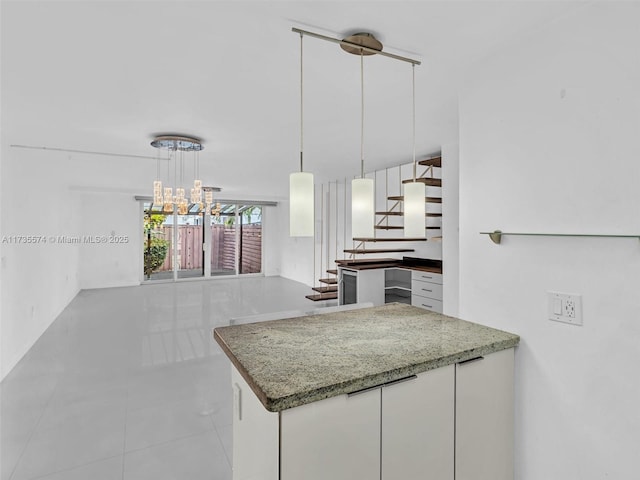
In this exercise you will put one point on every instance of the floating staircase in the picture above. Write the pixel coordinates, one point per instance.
(329, 292)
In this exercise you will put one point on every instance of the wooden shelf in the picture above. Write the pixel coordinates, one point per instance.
(378, 250)
(322, 296)
(332, 272)
(333, 288)
(373, 239)
(361, 261)
(431, 162)
(430, 182)
(400, 198)
(398, 227)
(329, 281)
(401, 214)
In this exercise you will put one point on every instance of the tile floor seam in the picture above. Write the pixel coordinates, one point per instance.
(226, 454)
(126, 418)
(169, 441)
(73, 468)
(35, 427)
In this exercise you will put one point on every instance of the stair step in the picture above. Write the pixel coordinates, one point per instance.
(363, 261)
(333, 288)
(379, 250)
(322, 296)
(332, 272)
(401, 214)
(373, 239)
(329, 281)
(400, 198)
(431, 162)
(431, 182)
(399, 227)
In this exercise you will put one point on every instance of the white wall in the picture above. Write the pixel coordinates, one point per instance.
(38, 279)
(115, 216)
(450, 229)
(549, 143)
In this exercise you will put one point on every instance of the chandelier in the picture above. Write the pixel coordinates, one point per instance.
(179, 147)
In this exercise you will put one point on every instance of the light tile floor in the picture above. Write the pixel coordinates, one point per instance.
(127, 383)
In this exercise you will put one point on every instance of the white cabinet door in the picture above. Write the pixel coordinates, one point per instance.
(418, 427)
(484, 418)
(255, 434)
(337, 438)
(371, 286)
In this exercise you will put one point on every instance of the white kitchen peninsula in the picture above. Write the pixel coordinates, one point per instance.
(389, 392)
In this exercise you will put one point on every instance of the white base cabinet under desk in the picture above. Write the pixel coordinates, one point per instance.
(426, 290)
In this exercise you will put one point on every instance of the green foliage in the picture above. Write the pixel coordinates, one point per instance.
(155, 247)
(155, 251)
(153, 221)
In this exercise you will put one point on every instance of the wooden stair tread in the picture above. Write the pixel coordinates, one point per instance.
(431, 162)
(322, 296)
(400, 198)
(332, 272)
(400, 227)
(374, 239)
(401, 214)
(333, 288)
(361, 261)
(329, 281)
(379, 250)
(430, 182)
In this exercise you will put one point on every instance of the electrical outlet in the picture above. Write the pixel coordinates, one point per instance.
(569, 308)
(565, 307)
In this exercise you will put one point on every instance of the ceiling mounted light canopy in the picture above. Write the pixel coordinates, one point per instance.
(176, 146)
(301, 190)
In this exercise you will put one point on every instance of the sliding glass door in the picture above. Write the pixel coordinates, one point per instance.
(223, 241)
(228, 242)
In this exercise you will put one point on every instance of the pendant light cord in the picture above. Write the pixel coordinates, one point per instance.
(413, 96)
(361, 113)
(301, 108)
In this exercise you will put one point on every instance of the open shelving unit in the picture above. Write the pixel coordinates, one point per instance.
(397, 285)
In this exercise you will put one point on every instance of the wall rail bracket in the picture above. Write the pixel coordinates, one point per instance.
(496, 235)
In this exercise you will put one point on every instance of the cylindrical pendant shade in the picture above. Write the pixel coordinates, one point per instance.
(414, 211)
(301, 204)
(362, 208)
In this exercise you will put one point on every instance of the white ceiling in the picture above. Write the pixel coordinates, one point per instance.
(107, 76)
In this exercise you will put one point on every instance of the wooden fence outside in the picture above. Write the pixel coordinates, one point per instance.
(223, 248)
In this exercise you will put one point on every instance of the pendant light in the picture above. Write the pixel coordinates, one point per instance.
(362, 189)
(301, 192)
(414, 192)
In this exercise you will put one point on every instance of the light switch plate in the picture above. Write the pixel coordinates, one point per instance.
(565, 307)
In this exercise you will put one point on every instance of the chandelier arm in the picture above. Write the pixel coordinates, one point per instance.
(355, 45)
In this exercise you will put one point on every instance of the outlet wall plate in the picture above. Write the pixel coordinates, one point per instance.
(565, 307)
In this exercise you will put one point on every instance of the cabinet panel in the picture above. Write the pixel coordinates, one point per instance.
(427, 289)
(426, 276)
(255, 434)
(484, 418)
(337, 438)
(417, 427)
(428, 303)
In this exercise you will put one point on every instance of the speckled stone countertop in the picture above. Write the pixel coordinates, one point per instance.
(301, 360)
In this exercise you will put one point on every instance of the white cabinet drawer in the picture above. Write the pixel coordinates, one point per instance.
(428, 303)
(426, 289)
(426, 276)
